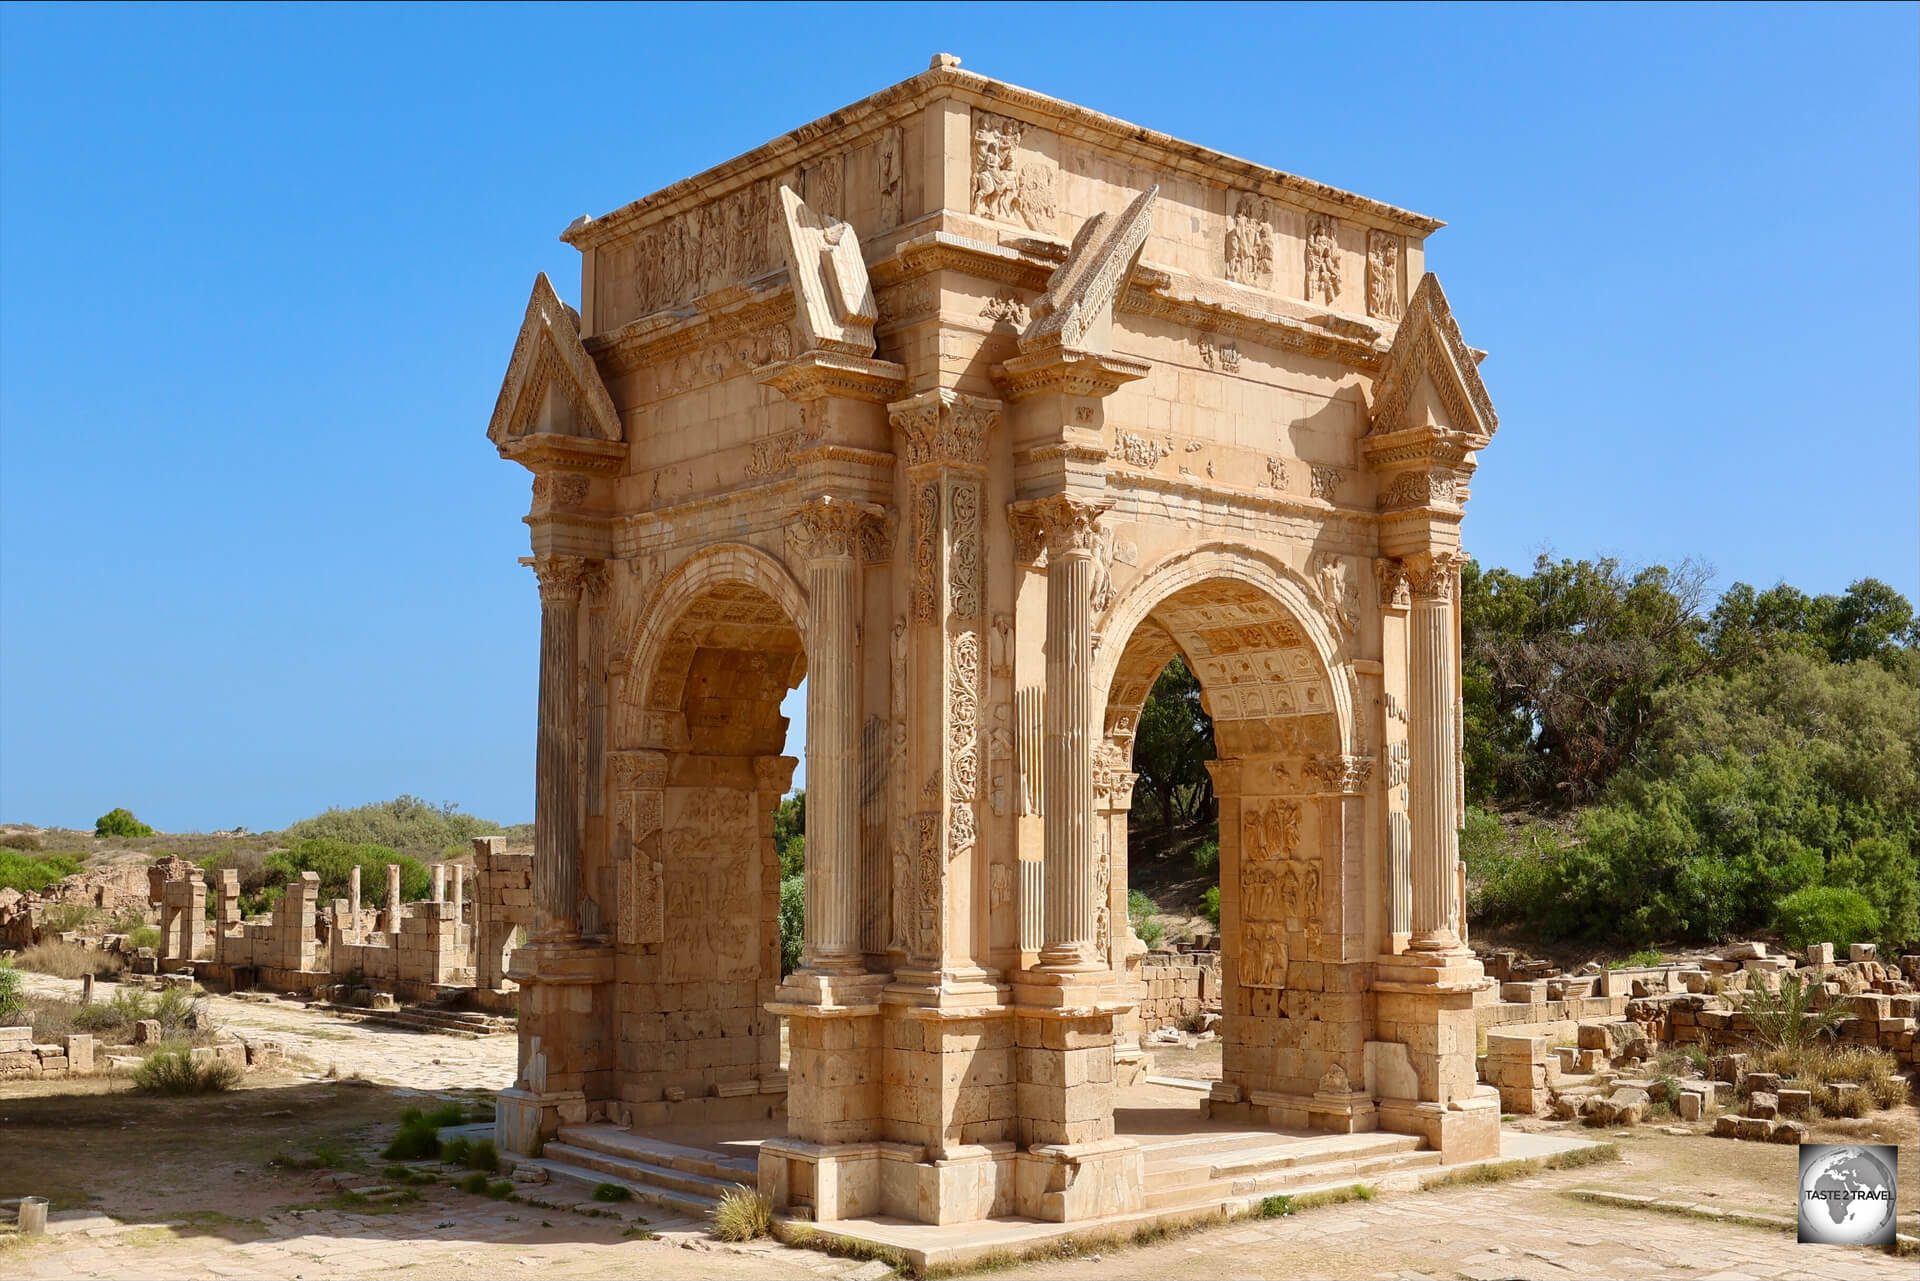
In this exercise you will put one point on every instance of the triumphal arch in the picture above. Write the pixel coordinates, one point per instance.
(973, 408)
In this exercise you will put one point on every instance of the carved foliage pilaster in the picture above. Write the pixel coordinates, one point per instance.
(963, 740)
(965, 589)
(926, 552)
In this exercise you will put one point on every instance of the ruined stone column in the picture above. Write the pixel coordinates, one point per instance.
(393, 898)
(829, 530)
(556, 818)
(439, 882)
(1433, 669)
(1067, 762)
(353, 894)
(459, 891)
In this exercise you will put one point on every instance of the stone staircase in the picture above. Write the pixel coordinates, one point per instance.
(1201, 1170)
(686, 1181)
(429, 1016)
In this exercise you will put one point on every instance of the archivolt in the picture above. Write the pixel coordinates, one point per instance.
(1237, 563)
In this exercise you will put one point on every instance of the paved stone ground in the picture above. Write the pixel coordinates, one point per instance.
(1526, 1228)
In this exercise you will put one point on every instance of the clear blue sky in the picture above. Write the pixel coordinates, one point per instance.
(260, 271)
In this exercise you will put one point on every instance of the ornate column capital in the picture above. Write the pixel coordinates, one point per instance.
(1391, 574)
(1335, 772)
(1055, 526)
(562, 578)
(829, 527)
(1435, 576)
(945, 426)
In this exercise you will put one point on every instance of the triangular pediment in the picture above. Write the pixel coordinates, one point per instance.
(552, 386)
(1431, 378)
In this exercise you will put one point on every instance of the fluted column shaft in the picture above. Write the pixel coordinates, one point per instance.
(833, 759)
(556, 813)
(1432, 678)
(1067, 759)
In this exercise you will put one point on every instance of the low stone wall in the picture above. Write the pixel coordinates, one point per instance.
(1178, 986)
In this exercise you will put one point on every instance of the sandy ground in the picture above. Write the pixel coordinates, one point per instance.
(213, 1187)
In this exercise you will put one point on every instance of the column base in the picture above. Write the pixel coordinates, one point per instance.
(835, 1075)
(524, 1120)
(1467, 1129)
(1457, 970)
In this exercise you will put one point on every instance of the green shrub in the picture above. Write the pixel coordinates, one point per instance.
(1140, 912)
(144, 936)
(611, 1192)
(10, 984)
(1786, 1020)
(475, 1183)
(1826, 914)
(1206, 857)
(32, 873)
(482, 1155)
(120, 823)
(171, 1070)
(20, 841)
(793, 922)
(405, 823)
(455, 1151)
(1210, 905)
(335, 860)
(419, 1135)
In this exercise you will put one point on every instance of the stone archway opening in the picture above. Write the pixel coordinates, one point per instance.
(698, 944)
(1277, 739)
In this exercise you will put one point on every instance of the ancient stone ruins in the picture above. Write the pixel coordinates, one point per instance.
(976, 407)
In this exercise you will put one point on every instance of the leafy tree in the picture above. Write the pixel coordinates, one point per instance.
(1826, 914)
(790, 833)
(120, 823)
(793, 919)
(1565, 667)
(1171, 748)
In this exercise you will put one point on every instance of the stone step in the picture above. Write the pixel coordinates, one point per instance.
(647, 1150)
(1308, 1152)
(1293, 1181)
(624, 1169)
(685, 1203)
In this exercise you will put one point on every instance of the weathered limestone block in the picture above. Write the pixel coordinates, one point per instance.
(1691, 1105)
(1795, 1102)
(146, 1032)
(79, 1050)
(1763, 1104)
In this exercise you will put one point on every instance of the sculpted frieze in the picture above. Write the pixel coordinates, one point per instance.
(1006, 188)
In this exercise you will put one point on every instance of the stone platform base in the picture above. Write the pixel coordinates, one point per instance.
(1058, 1183)
(955, 1245)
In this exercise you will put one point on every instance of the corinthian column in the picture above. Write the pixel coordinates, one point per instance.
(1070, 528)
(556, 817)
(1433, 661)
(829, 533)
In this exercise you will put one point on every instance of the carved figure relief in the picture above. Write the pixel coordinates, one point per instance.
(1101, 595)
(1323, 258)
(711, 841)
(1005, 309)
(1004, 188)
(1218, 355)
(823, 183)
(1326, 482)
(1000, 887)
(1139, 451)
(1276, 473)
(1339, 595)
(1279, 890)
(1383, 275)
(1250, 241)
(1391, 575)
(1000, 758)
(1000, 645)
(900, 886)
(1103, 895)
(699, 251)
(890, 166)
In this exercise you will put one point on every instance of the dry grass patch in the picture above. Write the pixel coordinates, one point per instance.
(742, 1215)
(70, 960)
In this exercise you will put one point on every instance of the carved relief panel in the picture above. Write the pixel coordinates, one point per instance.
(711, 852)
(1006, 186)
(1280, 890)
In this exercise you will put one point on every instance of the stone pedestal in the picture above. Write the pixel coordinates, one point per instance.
(566, 1048)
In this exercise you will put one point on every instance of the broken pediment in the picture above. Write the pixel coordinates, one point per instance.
(1431, 378)
(831, 297)
(1076, 312)
(552, 387)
